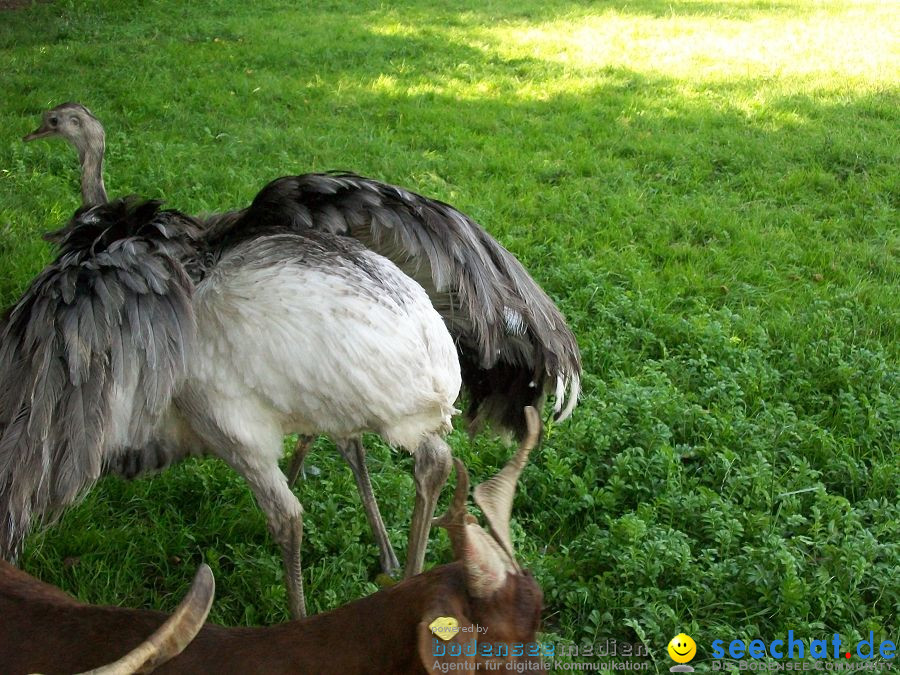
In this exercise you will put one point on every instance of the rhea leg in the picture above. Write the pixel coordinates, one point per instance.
(433, 461)
(284, 515)
(354, 453)
(301, 450)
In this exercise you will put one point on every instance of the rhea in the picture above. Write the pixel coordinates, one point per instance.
(513, 343)
(142, 336)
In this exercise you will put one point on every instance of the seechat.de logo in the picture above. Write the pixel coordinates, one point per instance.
(682, 649)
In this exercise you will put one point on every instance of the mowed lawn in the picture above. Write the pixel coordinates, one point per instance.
(708, 189)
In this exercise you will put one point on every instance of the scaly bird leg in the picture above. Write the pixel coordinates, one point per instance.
(284, 515)
(301, 450)
(354, 453)
(433, 462)
(293, 570)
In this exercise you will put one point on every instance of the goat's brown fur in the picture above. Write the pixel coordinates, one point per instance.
(46, 630)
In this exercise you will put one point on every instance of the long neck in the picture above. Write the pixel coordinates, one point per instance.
(93, 191)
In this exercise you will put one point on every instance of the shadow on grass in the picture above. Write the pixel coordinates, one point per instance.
(50, 23)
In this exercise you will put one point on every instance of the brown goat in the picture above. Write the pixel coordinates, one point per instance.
(387, 632)
(31, 609)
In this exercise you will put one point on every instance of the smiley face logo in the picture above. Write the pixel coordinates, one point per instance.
(682, 648)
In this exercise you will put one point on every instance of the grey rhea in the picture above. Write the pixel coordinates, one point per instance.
(90, 356)
(514, 345)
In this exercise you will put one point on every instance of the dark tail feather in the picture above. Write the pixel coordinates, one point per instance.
(498, 395)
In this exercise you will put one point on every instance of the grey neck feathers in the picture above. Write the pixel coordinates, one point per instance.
(93, 191)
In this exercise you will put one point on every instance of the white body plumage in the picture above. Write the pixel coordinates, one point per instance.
(341, 347)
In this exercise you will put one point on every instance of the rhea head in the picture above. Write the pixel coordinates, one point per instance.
(76, 124)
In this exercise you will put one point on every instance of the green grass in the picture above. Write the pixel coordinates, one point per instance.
(709, 190)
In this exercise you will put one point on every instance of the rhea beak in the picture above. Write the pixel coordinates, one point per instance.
(41, 132)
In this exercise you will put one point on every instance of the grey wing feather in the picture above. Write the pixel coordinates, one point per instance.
(90, 357)
(513, 341)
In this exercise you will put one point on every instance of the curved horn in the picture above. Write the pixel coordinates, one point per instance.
(455, 517)
(482, 557)
(174, 635)
(495, 496)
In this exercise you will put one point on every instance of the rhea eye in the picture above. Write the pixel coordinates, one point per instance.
(52, 121)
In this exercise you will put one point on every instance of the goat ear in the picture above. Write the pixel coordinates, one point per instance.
(460, 650)
(485, 562)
